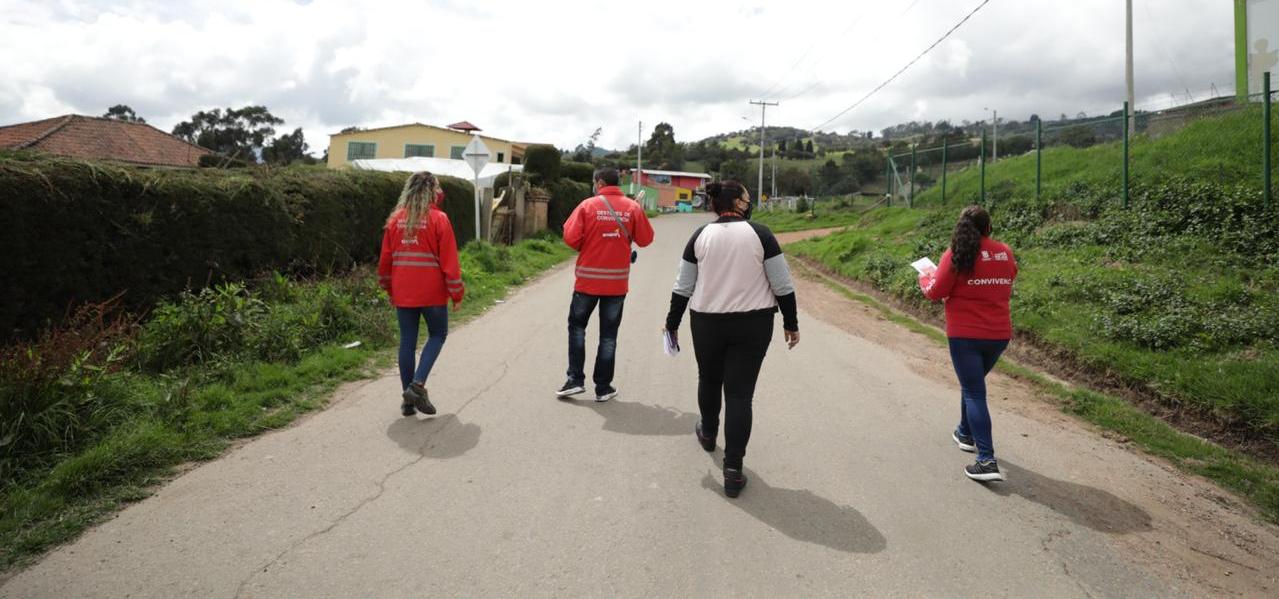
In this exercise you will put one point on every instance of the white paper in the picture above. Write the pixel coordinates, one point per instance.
(669, 344)
(924, 265)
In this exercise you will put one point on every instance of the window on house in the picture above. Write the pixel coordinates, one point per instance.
(456, 152)
(425, 150)
(360, 150)
(662, 179)
(501, 157)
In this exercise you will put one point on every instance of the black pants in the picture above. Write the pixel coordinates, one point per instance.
(730, 350)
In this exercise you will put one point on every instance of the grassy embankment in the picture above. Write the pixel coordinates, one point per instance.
(1176, 297)
(105, 412)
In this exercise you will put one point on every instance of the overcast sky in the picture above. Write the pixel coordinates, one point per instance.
(554, 70)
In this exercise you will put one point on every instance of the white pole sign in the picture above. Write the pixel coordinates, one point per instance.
(477, 156)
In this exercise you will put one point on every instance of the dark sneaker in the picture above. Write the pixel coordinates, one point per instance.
(708, 443)
(605, 395)
(417, 395)
(734, 482)
(964, 442)
(570, 389)
(407, 408)
(984, 471)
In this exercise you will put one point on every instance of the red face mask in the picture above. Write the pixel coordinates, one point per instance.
(439, 196)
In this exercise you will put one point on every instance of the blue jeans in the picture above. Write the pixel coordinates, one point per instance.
(437, 326)
(579, 313)
(973, 359)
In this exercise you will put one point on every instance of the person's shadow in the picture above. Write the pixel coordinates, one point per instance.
(442, 437)
(630, 418)
(1087, 506)
(802, 515)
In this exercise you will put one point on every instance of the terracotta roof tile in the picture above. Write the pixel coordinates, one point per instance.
(102, 139)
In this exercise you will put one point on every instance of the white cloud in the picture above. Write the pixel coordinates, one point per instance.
(553, 71)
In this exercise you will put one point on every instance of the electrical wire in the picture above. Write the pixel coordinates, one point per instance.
(903, 69)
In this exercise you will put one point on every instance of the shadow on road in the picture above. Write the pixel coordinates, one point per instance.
(1087, 506)
(442, 437)
(632, 418)
(802, 515)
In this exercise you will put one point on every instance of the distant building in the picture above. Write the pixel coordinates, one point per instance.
(96, 138)
(416, 140)
(673, 189)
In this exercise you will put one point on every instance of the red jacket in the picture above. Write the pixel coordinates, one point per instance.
(604, 254)
(976, 303)
(421, 270)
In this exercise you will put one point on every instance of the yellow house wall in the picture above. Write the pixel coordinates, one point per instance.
(390, 143)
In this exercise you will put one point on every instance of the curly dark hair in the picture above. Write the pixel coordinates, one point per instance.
(965, 242)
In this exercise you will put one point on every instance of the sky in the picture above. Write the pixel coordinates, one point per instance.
(552, 71)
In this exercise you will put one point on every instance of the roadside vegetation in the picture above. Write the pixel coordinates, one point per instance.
(1174, 299)
(96, 411)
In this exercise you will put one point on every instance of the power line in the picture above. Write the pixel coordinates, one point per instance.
(903, 69)
(814, 45)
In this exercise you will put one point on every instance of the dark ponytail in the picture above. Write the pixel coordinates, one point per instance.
(965, 242)
(723, 195)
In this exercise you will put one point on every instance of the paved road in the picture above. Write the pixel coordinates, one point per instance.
(856, 487)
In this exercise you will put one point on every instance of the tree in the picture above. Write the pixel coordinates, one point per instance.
(662, 150)
(808, 147)
(793, 181)
(238, 133)
(122, 112)
(586, 152)
(736, 169)
(286, 149)
(781, 146)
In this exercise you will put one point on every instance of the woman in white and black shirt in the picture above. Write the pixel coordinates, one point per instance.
(733, 279)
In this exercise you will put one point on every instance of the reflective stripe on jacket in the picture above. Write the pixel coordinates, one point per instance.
(604, 252)
(421, 268)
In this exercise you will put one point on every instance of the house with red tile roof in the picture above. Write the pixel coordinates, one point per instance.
(96, 138)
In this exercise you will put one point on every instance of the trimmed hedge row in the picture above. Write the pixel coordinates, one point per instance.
(78, 232)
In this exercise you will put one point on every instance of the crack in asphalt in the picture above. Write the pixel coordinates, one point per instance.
(381, 485)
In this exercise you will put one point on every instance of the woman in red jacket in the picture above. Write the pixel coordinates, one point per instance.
(419, 270)
(975, 278)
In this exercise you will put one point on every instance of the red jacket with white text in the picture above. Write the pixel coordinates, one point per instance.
(604, 254)
(976, 302)
(420, 269)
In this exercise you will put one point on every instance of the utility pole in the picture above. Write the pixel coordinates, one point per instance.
(994, 151)
(639, 158)
(774, 194)
(763, 107)
(1132, 102)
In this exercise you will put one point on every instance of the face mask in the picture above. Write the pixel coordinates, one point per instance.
(749, 209)
(439, 196)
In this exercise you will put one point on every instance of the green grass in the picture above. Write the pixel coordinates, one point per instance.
(1225, 149)
(1254, 480)
(1175, 297)
(194, 413)
(825, 214)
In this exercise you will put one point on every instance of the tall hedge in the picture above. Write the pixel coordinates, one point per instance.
(79, 232)
(565, 196)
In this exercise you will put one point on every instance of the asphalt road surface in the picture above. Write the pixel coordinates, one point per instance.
(856, 487)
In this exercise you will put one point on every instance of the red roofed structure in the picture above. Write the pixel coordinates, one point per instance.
(96, 138)
(464, 126)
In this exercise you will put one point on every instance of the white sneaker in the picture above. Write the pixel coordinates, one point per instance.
(607, 395)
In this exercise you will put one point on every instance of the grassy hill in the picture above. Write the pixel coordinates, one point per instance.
(1176, 296)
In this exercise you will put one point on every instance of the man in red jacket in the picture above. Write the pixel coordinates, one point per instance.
(602, 229)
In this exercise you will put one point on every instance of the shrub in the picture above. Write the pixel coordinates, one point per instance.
(582, 172)
(542, 162)
(801, 205)
(565, 196)
(82, 232)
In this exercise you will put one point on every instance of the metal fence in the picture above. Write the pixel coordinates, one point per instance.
(1254, 161)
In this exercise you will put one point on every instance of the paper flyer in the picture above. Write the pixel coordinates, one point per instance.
(924, 265)
(670, 345)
